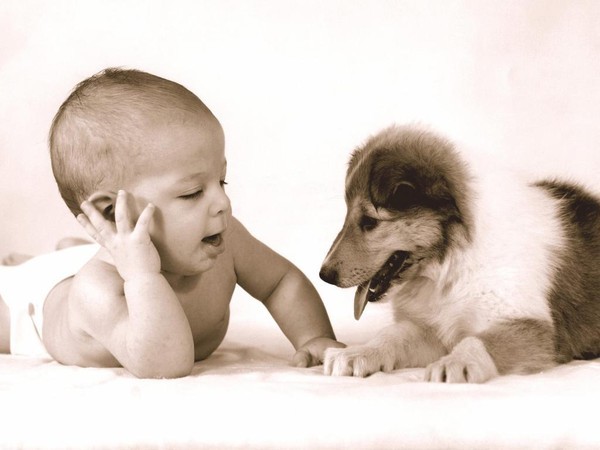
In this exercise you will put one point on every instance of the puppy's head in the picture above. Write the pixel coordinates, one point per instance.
(406, 195)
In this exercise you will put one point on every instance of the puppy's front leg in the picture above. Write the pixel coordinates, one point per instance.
(469, 362)
(401, 345)
(512, 346)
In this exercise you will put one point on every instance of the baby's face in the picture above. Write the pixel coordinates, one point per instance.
(182, 172)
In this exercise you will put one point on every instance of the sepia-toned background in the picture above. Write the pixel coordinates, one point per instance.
(297, 86)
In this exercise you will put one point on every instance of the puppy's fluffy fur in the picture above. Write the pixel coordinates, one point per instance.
(503, 276)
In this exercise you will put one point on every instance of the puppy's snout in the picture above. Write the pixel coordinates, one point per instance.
(329, 275)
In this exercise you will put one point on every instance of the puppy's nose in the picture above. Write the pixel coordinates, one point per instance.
(329, 275)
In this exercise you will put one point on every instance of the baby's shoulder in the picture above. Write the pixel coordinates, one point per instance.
(97, 285)
(238, 236)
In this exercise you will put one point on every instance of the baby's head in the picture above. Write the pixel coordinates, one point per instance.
(99, 136)
(125, 129)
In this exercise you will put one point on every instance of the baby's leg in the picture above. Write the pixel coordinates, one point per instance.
(14, 259)
(4, 327)
(71, 242)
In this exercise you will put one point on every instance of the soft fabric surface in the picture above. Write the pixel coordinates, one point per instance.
(247, 396)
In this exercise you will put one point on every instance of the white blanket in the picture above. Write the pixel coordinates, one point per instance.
(247, 396)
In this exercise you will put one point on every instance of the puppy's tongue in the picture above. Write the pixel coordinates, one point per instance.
(373, 290)
(360, 299)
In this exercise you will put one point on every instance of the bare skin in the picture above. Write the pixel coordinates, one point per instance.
(155, 298)
(203, 299)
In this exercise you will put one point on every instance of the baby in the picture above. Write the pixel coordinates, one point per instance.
(140, 161)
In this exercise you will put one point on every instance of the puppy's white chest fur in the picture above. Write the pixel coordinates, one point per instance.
(503, 273)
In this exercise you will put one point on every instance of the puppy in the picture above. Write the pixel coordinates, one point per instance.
(486, 274)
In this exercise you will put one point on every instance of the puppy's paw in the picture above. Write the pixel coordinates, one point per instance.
(469, 362)
(358, 361)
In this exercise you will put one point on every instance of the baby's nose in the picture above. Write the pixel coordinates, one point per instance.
(221, 204)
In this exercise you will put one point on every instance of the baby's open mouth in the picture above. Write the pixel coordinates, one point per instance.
(214, 240)
(375, 288)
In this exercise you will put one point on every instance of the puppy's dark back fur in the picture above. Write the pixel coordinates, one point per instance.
(575, 293)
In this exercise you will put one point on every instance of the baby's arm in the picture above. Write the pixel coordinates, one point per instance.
(289, 296)
(144, 325)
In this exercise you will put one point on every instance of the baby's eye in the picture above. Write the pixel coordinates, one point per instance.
(191, 196)
(223, 183)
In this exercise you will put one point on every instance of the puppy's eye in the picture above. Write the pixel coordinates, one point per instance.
(368, 223)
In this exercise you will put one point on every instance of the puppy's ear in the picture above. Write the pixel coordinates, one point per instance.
(104, 201)
(403, 196)
(391, 185)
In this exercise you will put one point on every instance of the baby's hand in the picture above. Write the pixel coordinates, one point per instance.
(312, 353)
(128, 243)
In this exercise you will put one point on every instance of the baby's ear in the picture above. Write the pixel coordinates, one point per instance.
(104, 201)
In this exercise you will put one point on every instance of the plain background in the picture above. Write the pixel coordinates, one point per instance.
(297, 86)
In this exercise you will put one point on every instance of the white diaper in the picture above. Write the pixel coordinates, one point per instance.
(24, 288)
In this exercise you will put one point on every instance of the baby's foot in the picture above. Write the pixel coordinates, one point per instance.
(14, 259)
(71, 242)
